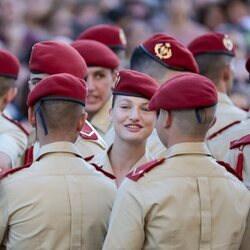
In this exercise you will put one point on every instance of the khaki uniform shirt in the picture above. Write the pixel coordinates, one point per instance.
(226, 114)
(188, 202)
(13, 140)
(101, 121)
(55, 203)
(102, 160)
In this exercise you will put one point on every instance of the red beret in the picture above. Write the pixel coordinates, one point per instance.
(110, 35)
(52, 57)
(212, 43)
(248, 65)
(169, 52)
(62, 86)
(184, 91)
(96, 54)
(9, 64)
(133, 83)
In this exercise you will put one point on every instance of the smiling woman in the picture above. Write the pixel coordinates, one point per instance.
(133, 123)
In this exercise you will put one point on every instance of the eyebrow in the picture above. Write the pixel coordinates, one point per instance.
(128, 100)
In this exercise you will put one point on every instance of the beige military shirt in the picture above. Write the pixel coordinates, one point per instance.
(226, 114)
(188, 202)
(13, 140)
(55, 203)
(101, 121)
(102, 160)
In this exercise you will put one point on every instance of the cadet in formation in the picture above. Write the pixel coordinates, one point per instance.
(188, 200)
(55, 202)
(133, 123)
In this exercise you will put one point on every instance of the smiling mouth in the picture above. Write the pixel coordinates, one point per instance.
(133, 126)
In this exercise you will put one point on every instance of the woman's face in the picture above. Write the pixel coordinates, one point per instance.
(132, 119)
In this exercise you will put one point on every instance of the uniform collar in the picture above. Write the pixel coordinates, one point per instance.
(58, 147)
(104, 161)
(101, 120)
(188, 148)
(223, 98)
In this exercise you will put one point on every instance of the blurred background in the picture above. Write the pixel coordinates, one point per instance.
(25, 22)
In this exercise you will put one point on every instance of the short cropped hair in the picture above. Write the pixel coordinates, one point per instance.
(60, 115)
(211, 65)
(188, 124)
(144, 64)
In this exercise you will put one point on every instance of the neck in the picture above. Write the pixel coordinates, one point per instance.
(183, 139)
(54, 137)
(123, 156)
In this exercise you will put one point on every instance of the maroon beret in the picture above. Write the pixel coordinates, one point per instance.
(248, 65)
(62, 86)
(96, 54)
(110, 35)
(169, 52)
(212, 43)
(133, 83)
(185, 91)
(9, 64)
(52, 57)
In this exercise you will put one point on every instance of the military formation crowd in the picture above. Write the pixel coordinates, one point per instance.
(145, 153)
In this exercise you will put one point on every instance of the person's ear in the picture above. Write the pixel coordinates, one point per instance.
(10, 95)
(32, 116)
(82, 121)
(168, 119)
(213, 122)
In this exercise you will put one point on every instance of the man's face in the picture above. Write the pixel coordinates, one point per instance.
(99, 81)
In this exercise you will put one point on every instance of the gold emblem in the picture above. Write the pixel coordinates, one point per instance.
(117, 80)
(122, 37)
(228, 42)
(163, 51)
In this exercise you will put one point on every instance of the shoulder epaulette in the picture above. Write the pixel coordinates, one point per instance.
(6, 172)
(88, 132)
(240, 142)
(230, 169)
(16, 123)
(222, 129)
(99, 169)
(137, 173)
(28, 155)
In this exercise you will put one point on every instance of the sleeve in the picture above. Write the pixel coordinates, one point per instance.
(126, 228)
(13, 145)
(4, 214)
(245, 243)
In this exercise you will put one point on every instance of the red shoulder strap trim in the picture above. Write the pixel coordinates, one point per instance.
(103, 171)
(240, 142)
(17, 124)
(230, 169)
(28, 155)
(137, 173)
(88, 132)
(89, 158)
(222, 129)
(6, 172)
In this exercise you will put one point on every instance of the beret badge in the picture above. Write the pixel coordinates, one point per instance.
(228, 42)
(163, 51)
